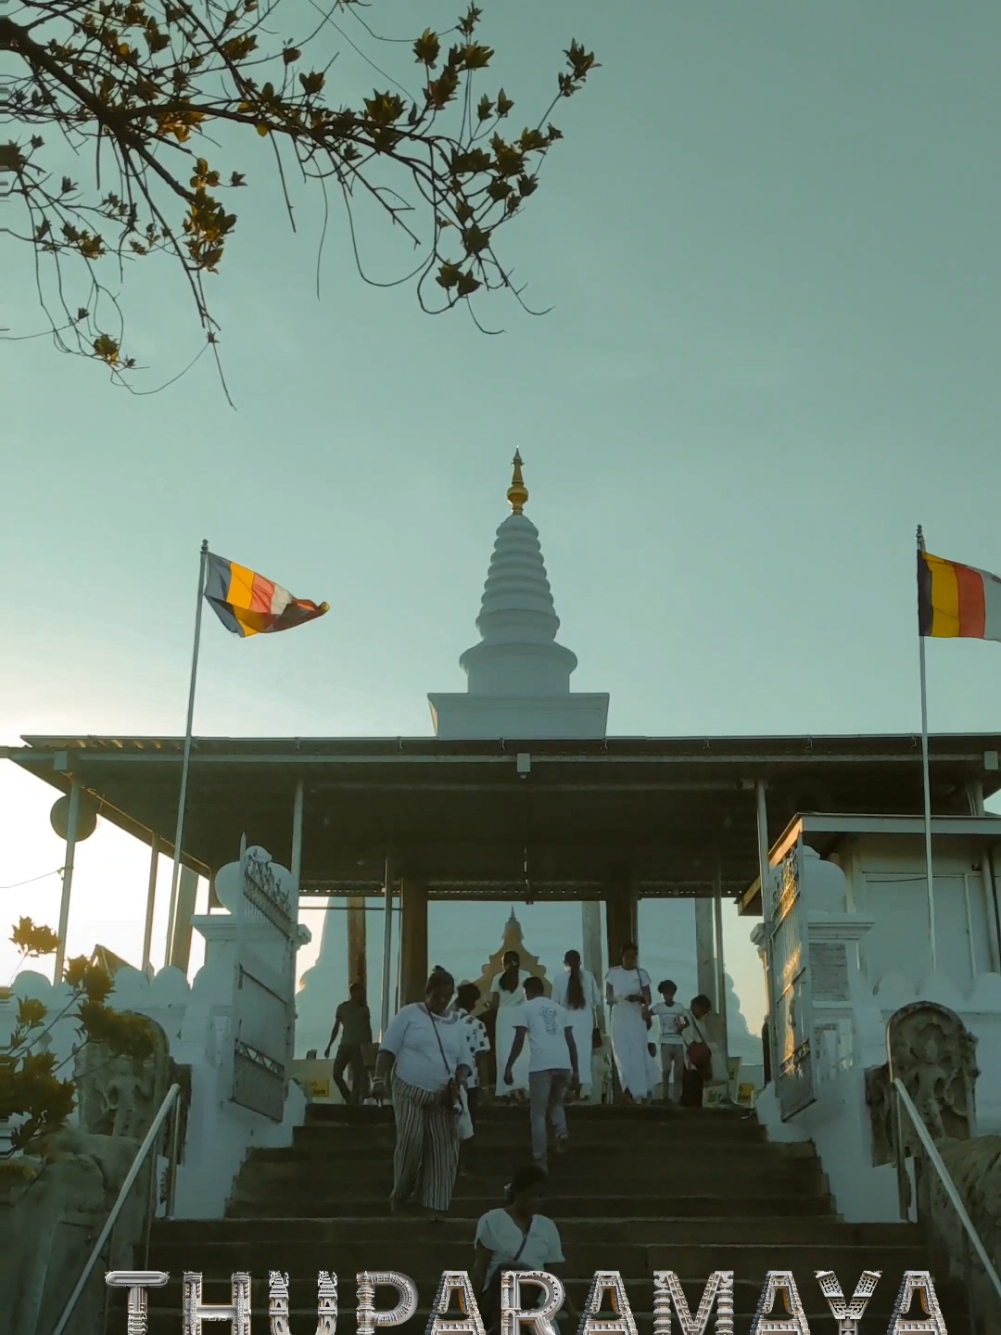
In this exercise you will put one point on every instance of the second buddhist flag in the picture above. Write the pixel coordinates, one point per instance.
(248, 604)
(957, 601)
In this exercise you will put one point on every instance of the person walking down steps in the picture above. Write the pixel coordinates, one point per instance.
(576, 990)
(552, 1068)
(425, 1057)
(627, 991)
(354, 1023)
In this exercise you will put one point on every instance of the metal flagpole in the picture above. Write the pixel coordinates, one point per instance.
(185, 764)
(926, 774)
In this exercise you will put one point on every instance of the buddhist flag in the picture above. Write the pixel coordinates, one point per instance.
(957, 601)
(249, 604)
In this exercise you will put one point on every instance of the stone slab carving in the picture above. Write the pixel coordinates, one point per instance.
(934, 1054)
(975, 1167)
(120, 1095)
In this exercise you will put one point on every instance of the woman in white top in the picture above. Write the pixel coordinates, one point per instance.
(516, 1237)
(627, 991)
(507, 995)
(426, 1052)
(577, 992)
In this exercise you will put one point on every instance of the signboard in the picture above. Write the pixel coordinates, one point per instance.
(829, 971)
(791, 997)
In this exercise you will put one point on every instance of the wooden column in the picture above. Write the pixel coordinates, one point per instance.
(621, 918)
(357, 943)
(413, 939)
(590, 913)
(184, 911)
(705, 950)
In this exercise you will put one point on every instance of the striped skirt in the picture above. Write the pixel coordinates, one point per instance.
(427, 1148)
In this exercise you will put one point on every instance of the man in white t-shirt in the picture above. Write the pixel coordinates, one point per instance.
(552, 1067)
(672, 1046)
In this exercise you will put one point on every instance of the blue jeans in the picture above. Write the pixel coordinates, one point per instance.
(546, 1092)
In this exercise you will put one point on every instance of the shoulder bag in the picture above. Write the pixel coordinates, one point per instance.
(464, 1122)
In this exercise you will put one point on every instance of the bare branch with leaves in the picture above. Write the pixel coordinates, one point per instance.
(137, 89)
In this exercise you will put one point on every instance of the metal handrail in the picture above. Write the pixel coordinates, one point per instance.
(112, 1219)
(945, 1177)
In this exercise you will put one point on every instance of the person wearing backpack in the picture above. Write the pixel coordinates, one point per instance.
(516, 1237)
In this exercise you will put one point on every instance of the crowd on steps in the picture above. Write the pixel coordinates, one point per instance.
(436, 1063)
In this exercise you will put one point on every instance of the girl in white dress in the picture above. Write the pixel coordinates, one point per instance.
(507, 995)
(627, 991)
(577, 992)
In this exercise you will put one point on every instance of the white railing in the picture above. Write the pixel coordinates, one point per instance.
(171, 1101)
(903, 1102)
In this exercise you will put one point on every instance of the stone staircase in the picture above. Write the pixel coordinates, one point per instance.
(641, 1190)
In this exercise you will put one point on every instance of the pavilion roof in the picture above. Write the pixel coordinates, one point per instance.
(657, 811)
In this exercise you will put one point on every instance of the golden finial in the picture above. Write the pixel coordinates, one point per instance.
(517, 493)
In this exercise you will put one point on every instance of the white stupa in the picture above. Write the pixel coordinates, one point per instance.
(518, 677)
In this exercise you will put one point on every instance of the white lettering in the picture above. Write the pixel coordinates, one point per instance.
(470, 1322)
(848, 1315)
(917, 1282)
(667, 1290)
(514, 1314)
(194, 1311)
(368, 1317)
(794, 1323)
(623, 1322)
(137, 1282)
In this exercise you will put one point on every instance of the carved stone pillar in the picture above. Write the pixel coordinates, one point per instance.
(413, 939)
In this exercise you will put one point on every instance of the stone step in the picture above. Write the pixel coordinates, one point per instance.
(425, 1261)
(603, 1113)
(291, 1183)
(591, 1131)
(165, 1303)
(389, 1229)
(559, 1207)
(338, 1146)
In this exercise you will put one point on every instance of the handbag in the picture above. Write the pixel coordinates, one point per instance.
(460, 1107)
(596, 1040)
(490, 1298)
(464, 1126)
(700, 1054)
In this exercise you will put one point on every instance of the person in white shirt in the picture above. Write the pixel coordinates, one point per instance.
(672, 1046)
(627, 991)
(517, 1237)
(425, 1055)
(507, 995)
(577, 991)
(552, 1066)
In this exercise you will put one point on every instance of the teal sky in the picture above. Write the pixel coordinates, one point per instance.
(769, 239)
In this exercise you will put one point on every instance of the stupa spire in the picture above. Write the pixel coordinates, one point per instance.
(517, 493)
(518, 676)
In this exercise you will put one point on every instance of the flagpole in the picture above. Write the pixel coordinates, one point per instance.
(926, 775)
(186, 762)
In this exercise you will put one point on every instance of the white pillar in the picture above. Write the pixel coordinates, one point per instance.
(590, 922)
(721, 965)
(64, 903)
(154, 859)
(705, 955)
